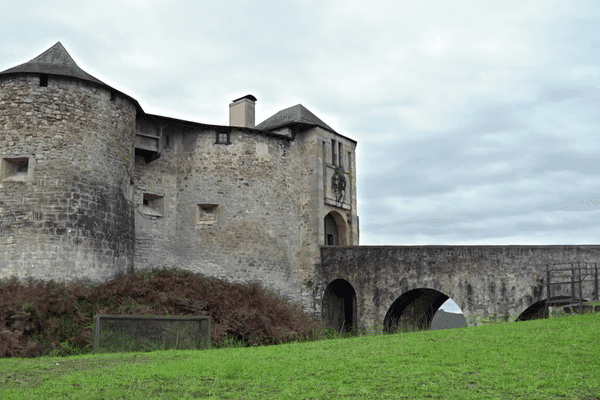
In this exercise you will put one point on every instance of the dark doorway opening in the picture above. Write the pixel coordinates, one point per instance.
(332, 236)
(339, 306)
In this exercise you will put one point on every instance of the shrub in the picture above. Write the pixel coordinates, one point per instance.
(49, 318)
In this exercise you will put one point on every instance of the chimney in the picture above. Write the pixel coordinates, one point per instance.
(241, 112)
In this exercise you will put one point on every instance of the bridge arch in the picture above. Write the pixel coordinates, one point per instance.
(539, 309)
(414, 310)
(486, 282)
(339, 306)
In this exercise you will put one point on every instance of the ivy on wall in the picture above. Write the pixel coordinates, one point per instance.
(127, 158)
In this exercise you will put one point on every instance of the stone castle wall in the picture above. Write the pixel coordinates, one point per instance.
(261, 225)
(90, 186)
(70, 214)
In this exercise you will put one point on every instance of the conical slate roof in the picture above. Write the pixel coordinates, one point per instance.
(55, 61)
(297, 114)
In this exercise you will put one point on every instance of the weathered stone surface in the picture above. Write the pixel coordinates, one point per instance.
(482, 280)
(266, 201)
(69, 216)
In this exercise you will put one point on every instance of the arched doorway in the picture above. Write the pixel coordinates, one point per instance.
(332, 236)
(339, 306)
(335, 230)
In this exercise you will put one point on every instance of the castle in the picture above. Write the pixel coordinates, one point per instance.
(92, 186)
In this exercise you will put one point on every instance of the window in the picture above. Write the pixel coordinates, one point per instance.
(222, 138)
(340, 155)
(131, 192)
(331, 231)
(207, 214)
(152, 204)
(349, 160)
(334, 156)
(329, 239)
(16, 169)
(44, 80)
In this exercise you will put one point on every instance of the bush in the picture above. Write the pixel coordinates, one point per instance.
(41, 318)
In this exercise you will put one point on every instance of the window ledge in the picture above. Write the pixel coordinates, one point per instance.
(148, 211)
(17, 178)
(334, 203)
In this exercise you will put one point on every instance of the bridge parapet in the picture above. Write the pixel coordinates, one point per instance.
(482, 280)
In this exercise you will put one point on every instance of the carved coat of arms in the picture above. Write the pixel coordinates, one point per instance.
(338, 185)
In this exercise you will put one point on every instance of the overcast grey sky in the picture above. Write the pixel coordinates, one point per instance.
(476, 121)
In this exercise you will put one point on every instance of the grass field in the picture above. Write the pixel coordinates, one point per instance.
(556, 358)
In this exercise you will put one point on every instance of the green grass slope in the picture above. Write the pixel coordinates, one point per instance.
(542, 359)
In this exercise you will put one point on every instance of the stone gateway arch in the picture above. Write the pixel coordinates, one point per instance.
(379, 285)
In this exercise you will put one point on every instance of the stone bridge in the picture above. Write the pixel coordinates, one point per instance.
(382, 285)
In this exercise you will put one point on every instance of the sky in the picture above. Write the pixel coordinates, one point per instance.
(476, 120)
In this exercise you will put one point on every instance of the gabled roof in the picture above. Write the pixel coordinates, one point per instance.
(57, 61)
(297, 114)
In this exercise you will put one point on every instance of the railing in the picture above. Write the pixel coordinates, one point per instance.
(579, 272)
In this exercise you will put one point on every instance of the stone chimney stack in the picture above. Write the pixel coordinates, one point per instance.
(241, 112)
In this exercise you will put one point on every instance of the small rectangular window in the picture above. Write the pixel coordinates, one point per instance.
(334, 152)
(329, 239)
(349, 160)
(16, 169)
(152, 204)
(340, 155)
(131, 192)
(44, 80)
(222, 138)
(207, 214)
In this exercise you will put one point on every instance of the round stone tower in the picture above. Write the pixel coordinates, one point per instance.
(66, 192)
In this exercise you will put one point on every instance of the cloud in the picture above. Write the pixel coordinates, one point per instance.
(476, 121)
